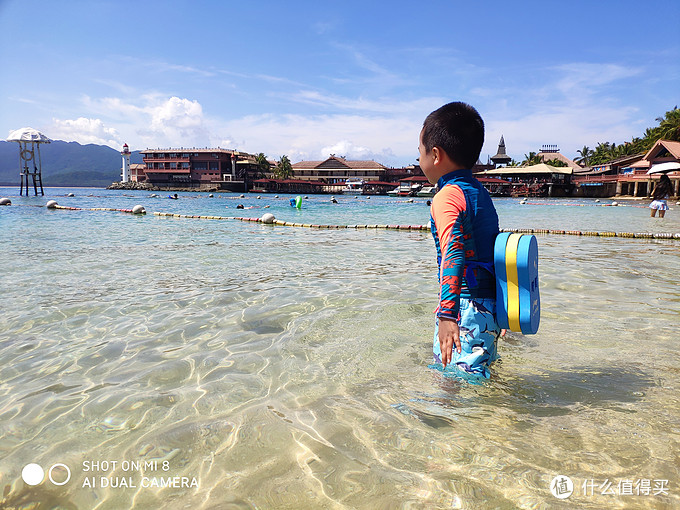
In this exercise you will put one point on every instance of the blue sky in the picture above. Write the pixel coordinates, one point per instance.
(307, 79)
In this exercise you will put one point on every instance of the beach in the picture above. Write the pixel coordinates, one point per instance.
(287, 367)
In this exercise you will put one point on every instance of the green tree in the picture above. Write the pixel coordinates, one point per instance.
(669, 125)
(555, 162)
(263, 166)
(668, 129)
(284, 168)
(585, 155)
(532, 159)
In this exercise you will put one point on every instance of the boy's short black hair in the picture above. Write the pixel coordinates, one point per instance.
(457, 129)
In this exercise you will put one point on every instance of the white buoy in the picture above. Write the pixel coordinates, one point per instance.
(5, 201)
(268, 218)
(138, 209)
(51, 204)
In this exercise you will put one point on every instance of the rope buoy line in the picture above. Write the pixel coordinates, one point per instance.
(292, 224)
(614, 204)
(632, 235)
(636, 235)
(129, 211)
(138, 209)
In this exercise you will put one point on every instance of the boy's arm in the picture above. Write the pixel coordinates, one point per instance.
(448, 208)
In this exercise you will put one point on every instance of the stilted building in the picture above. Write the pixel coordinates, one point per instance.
(29, 141)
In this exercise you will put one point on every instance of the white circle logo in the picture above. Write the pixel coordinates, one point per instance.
(64, 468)
(561, 487)
(32, 474)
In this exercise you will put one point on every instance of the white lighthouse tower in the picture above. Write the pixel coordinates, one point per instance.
(125, 177)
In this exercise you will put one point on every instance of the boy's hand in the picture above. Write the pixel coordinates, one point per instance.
(449, 335)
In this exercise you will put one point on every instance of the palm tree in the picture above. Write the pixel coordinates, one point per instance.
(532, 159)
(669, 125)
(263, 166)
(585, 153)
(284, 168)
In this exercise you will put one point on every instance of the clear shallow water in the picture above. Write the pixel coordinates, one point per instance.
(287, 367)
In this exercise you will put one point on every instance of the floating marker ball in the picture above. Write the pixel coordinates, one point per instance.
(51, 204)
(268, 218)
(5, 201)
(138, 209)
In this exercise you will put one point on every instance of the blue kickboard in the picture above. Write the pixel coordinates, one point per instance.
(501, 280)
(527, 275)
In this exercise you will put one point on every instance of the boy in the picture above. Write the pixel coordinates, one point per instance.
(464, 225)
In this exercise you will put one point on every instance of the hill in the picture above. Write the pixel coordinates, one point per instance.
(67, 164)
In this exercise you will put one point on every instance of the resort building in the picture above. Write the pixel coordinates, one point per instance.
(198, 168)
(535, 180)
(552, 152)
(628, 175)
(137, 172)
(336, 170)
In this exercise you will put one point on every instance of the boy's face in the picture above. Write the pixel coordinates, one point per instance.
(426, 159)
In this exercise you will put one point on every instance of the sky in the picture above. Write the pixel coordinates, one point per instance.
(308, 79)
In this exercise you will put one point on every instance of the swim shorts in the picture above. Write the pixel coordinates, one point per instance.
(659, 205)
(479, 333)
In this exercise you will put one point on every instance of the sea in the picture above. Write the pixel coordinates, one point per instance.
(168, 362)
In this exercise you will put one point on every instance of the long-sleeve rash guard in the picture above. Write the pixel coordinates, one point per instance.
(464, 225)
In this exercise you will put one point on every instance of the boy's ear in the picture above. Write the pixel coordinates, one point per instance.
(436, 155)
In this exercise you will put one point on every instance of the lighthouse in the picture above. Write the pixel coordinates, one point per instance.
(125, 177)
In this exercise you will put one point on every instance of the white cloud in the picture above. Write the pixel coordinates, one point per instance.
(152, 120)
(391, 140)
(84, 130)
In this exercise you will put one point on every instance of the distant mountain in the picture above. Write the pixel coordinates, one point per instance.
(67, 164)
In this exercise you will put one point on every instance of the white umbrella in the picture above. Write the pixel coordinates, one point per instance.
(664, 167)
(27, 135)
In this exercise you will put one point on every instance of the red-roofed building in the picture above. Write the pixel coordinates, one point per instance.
(336, 170)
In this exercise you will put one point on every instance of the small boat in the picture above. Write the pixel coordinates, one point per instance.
(427, 191)
(353, 187)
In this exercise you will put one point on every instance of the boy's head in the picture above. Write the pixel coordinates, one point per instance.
(458, 130)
